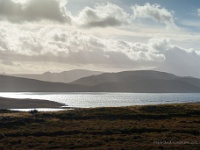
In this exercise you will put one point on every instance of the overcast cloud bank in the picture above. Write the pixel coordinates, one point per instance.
(36, 32)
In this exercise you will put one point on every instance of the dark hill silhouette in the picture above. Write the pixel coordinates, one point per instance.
(141, 81)
(125, 76)
(17, 84)
(145, 81)
(65, 76)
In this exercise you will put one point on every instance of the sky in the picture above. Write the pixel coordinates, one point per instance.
(105, 35)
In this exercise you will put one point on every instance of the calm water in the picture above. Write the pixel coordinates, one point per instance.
(86, 100)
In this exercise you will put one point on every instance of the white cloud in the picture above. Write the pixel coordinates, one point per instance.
(155, 12)
(28, 45)
(103, 16)
(57, 45)
(181, 61)
(34, 10)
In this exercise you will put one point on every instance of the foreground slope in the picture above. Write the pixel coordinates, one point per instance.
(153, 127)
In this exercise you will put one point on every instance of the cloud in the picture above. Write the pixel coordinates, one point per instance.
(26, 45)
(198, 11)
(34, 10)
(181, 61)
(29, 44)
(103, 16)
(155, 12)
(7, 62)
(75, 48)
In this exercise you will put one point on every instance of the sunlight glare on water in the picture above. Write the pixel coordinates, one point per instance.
(86, 100)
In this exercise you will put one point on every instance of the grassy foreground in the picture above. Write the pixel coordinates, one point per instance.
(175, 126)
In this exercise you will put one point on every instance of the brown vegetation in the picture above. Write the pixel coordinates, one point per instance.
(174, 126)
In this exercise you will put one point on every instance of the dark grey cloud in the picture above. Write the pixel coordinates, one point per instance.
(109, 21)
(33, 10)
(7, 62)
(103, 16)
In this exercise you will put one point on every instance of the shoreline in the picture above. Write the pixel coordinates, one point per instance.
(12, 103)
(30, 104)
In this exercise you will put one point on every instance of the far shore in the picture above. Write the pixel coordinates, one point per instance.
(11, 103)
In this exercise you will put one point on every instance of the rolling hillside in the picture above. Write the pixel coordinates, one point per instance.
(145, 81)
(63, 77)
(17, 84)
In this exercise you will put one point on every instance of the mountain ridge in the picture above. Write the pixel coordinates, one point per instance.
(142, 81)
(64, 76)
(124, 74)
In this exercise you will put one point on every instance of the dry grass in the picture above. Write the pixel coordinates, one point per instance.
(139, 127)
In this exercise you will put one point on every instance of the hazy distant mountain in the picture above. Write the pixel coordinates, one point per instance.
(65, 76)
(140, 81)
(18, 84)
(129, 81)
(124, 77)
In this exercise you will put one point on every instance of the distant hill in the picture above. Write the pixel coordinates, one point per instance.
(145, 81)
(124, 77)
(17, 84)
(65, 76)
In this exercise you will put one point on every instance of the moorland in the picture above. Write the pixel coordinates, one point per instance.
(171, 126)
